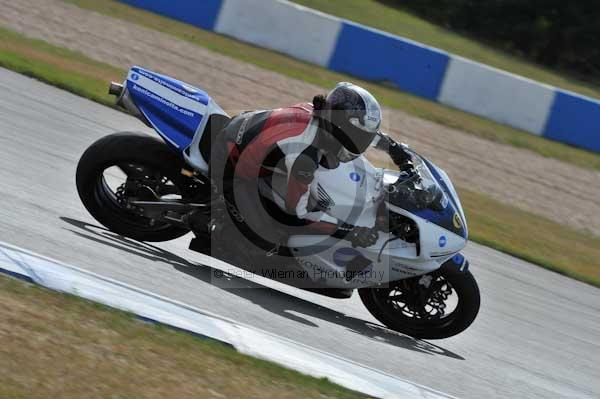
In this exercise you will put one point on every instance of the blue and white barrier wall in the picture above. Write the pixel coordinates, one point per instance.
(335, 43)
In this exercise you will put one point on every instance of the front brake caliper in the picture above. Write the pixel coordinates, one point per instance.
(425, 280)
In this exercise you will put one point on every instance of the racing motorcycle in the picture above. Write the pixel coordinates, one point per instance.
(414, 279)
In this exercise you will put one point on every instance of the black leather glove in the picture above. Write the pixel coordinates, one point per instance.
(358, 236)
(397, 152)
(399, 155)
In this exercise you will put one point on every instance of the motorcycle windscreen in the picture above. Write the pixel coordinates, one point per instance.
(427, 196)
(172, 107)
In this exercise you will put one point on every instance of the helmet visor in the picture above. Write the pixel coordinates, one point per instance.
(354, 139)
(371, 120)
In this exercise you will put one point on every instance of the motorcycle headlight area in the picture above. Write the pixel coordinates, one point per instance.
(401, 226)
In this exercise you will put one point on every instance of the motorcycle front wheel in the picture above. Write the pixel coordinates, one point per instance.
(108, 169)
(435, 306)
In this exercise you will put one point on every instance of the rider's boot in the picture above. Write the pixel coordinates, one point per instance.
(198, 221)
(201, 245)
(338, 293)
(208, 228)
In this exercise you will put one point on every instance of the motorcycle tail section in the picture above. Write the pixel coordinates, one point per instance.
(177, 111)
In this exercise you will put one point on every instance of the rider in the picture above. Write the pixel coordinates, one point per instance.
(289, 144)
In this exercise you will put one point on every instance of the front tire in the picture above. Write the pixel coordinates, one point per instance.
(132, 151)
(410, 308)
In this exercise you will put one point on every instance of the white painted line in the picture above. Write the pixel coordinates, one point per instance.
(248, 340)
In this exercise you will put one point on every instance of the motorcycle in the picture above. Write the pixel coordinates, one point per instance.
(414, 279)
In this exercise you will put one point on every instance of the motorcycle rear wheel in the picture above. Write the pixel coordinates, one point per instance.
(131, 152)
(409, 307)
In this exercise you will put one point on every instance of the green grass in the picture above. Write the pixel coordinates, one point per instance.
(532, 238)
(58, 345)
(322, 77)
(58, 66)
(378, 14)
(506, 228)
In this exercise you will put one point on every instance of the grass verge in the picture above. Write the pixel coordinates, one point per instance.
(532, 238)
(58, 66)
(389, 16)
(61, 346)
(320, 76)
(492, 223)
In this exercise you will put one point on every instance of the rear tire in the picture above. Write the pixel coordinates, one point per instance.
(101, 202)
(381, 304)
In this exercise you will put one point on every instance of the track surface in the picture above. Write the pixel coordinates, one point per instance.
(537, 334)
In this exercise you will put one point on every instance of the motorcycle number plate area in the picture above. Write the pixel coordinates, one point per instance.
(172, 107)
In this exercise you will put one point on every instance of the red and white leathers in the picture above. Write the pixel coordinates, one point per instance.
(279, 148)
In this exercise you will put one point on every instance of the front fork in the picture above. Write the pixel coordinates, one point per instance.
(457, 263)
(426, 288)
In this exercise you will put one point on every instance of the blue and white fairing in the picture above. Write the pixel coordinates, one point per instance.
(432, 202)
(177, 111)
(356, 192)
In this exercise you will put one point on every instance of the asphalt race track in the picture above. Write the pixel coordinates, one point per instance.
(537, 335)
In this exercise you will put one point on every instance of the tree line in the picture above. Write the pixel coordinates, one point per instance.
(555, 33)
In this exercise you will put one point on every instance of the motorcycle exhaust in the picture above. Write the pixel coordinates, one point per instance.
(115, 89)
(125, 101)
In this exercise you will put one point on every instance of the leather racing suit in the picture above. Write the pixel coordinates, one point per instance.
(278, 150)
